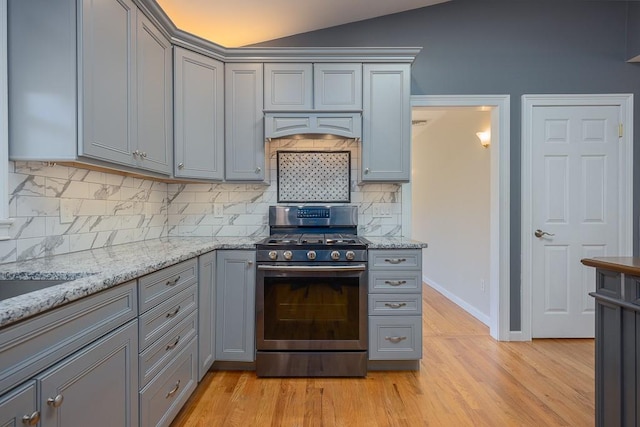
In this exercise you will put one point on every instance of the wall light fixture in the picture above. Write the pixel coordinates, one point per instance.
(484, 137)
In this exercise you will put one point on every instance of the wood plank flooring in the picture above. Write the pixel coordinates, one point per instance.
(465, 379)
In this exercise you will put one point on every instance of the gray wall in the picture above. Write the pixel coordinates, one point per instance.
(510, 47)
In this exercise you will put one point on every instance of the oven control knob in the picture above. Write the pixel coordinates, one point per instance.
(335, 255)
(273, 255)
(287, 255)
(311, 255)
(350, 255)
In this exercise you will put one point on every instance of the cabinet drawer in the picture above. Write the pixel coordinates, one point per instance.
(158, 286)
(395, 282)
(156, 357)
(395, 259)
(163, 397)
(395, 338)
(395, 305)
(155, 323)
(30, 346)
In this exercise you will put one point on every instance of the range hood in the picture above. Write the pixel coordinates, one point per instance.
(313, 125)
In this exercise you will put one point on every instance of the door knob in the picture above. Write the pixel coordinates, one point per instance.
(539, 233)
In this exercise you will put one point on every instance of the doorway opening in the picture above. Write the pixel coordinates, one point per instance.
(497, 282)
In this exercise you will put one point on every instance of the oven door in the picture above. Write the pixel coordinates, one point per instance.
(311, 307)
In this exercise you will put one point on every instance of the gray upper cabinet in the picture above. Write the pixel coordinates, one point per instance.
(337, 87)
(386, 123)
(103, 80)
(306, 87)
(107, 86)
(245, 151)
(154, 101)
(199, 116)
(288, 87)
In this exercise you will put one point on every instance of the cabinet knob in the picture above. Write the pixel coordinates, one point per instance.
(144, 154)
(366, 171)
(180, 165)
(395, 340)
(258, 169)
(249, 262)
(31, 420)
(55, 402)
(136, 153)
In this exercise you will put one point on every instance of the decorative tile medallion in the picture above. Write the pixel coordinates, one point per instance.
(314, 176)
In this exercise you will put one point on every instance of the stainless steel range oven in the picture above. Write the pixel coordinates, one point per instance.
(311, 294)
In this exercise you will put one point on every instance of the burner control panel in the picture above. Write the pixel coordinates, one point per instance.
(316, 212)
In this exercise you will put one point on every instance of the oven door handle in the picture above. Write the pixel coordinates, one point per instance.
(323, 268)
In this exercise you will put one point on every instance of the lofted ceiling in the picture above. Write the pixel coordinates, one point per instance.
(235, 23)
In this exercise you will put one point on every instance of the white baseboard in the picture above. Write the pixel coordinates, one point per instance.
(458, 301)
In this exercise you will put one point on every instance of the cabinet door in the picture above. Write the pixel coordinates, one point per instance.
(244, 142)
(235, 306)
(107, 89)
(199, 116)
(97, 386)
(19, 407)
(206, 312)
(386, 122)
(288, 87)
(154, 98)
(337, 87)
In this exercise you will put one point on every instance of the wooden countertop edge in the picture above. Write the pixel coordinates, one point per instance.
(626, 265)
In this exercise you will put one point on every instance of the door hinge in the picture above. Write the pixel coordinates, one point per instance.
(620, 130)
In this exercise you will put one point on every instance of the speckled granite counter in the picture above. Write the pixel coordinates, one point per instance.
(94, 270)
(91, 271)
(394, 243)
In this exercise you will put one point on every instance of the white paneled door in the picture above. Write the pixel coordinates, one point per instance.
(575, 206)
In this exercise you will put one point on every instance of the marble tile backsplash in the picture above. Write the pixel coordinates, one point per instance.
(59, 209)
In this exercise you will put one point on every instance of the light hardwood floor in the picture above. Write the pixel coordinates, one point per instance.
(465, 379)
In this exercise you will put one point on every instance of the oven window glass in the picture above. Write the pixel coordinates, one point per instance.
(311, 308)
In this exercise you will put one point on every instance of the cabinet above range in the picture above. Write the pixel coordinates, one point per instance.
(100, 89)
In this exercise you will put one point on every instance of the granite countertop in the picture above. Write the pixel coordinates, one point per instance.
(94, 270)
(91, 271)
(394, 243)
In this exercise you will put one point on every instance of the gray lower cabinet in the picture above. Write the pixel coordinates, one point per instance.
(206, 312)
(386, 122)
(96, 386)
(168, 345)
(74, 365)
(235, 305)
(245, 151)
(199, 116)
(19, 407)
(395, 304)
(103, 79)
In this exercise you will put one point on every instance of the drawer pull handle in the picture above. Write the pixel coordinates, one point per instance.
(173, 282)
(395, 340)
(173, 390)
(395, 282)
(395, 260)
(55, 402)
(395, 304)
(173, 313)
(31, 420)
(173, 344)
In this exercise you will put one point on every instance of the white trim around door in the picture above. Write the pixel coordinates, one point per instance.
(500, 198)
(625, 177)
